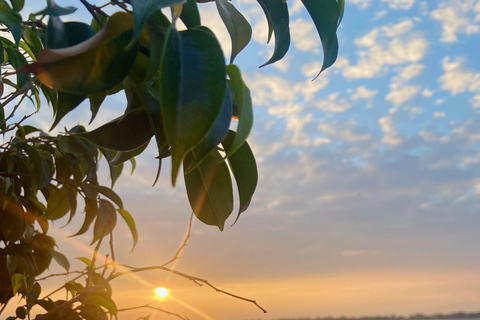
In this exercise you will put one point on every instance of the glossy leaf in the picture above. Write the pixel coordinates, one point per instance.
(326, 16)
(17, 4)
(143, 8)
(158, 25)
(277, 16)
(131, 225)
(60, 259)
(17, 280)
(106, 220)
(53, 9)
(32, 40)
(243, 101)
(66, 103)
(217, 133)
(92, 66)
(7, 15)
(238, 27)
(57, 204)
(209, 189)
(192, 89)
(96, 101)
(190, 15)
(125, 133)
(17, 60)
(244, 169)
(123, 156)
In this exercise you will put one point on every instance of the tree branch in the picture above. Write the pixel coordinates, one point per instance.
(148, 306)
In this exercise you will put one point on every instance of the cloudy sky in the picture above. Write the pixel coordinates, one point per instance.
(369, 187)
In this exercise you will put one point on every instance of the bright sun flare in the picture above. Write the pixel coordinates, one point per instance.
(161, 292)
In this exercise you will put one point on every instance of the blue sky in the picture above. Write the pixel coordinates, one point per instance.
(369, 187)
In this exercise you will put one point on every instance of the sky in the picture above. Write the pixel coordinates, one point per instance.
(369, 186)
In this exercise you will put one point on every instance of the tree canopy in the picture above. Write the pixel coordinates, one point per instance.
(180, 93)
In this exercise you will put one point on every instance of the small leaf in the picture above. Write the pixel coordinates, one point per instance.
(57, 204)
(143, 8)
(61, 259)
(190, 15)
(244, 169)
(66, 103)
(276, 13)
(243, 101)
(131, 225)
(106, 220)
(326, 15)
(238, 27)
(85, 260)
(109, 193)
(17, 281)
(209, 189)
(191, 95)
(53, 9)
(123, 156)
(125, 133)
(95, 65)
(91, 212)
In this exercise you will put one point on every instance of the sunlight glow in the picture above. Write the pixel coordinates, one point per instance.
(161, 292)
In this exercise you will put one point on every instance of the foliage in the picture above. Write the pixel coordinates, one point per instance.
(179, 92)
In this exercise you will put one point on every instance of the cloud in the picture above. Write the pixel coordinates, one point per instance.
(345, 131)
(363, 93)
(389, 45)
(456, 78)
(303, 35)
(427, 93)
(333, 104)
(438, 114)
(362, 4)
(400, 95)
(457, 17)
(390, 134)
(400, 4)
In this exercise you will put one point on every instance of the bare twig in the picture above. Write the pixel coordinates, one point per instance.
(196, 280)
(148, 306)
(113, 254)
(184, 244)
(92, 9)
(92, 266)
(61, 274)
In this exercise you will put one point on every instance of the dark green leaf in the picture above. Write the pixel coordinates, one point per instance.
(61, 259)
(131, 225)
(32, 40)
(16, 32)
(143, 8)
(209, 189)
(125, 133)
(326, 15)
(106, 220)
(7, 15)
(190, 15)
(217, 133)
(17, 60)
(33, 295)
(109, 193)
(341, 5)
(66, 103)
(276, 13)
(91, 211)
(158, 25)
(238, 27)
(55, 34)
(57, 204)
(244, 169)
(191, 93)
(123, 156)
(17, 4)
(243, 101)
(96, 101)
(53, 9)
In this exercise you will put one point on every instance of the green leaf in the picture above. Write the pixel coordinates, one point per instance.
(60, 259)
(123, 156)
(32, 40)
(158, 24)
(7, 15)
(85, 260)
(125, 133)
(95, 65)
(143, 8)
(217, 133)
(57, 204)
(131, 225)
(109, 193)
(17, 4)
(191, 94)
(91, 212)
(238, 27)
(243, 101)
(244, 169)
(190, 15)
(103, 301)
(96, 101)
(209, 189)
(17, 60)
(53, 9)
(33, 294)
(276, 13)
(55, 34)
(326, 16)
(66, 103)
(341, 5)
(106, 220)
(17, 281)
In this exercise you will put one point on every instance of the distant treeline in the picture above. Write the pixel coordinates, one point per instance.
(418, 316)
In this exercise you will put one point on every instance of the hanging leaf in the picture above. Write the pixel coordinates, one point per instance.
(217, 133)
(276, 13)
(96, 101)
(209, 189)
(326, 16)
(243, 101)
(238, 27)
(125, 133)
(91, 211)
(57, 204)
(17, 4)
(109, 193)
(53, 9)
(190, 15)
(92, 66)
(9, 16)
(191, 93)
(158, 25)
(66, 103)
(143, 8)
(131, 225)
(106, 220)
(123, 156)
(244, 169)
(60, 259)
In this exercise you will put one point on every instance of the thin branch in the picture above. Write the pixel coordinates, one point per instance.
(196, 280)
(148, 306)
(91, 9)
(184, 244)
(92, 266)
(20, 91)
(113, 254)
(61, 274)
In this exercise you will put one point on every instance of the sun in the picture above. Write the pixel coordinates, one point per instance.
(161, 292)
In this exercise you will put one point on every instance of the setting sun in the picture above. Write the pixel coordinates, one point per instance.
(161, 292)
